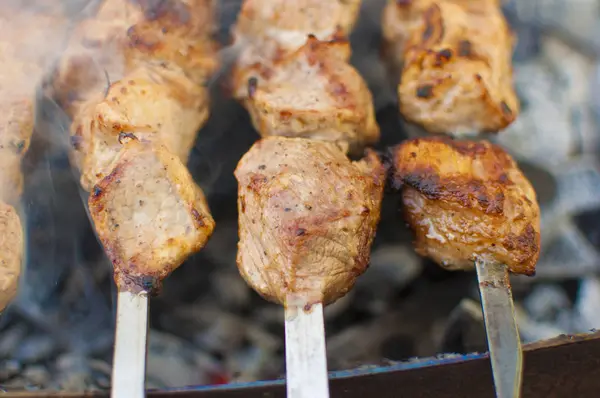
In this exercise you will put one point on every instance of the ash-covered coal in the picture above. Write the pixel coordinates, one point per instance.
(209, 327)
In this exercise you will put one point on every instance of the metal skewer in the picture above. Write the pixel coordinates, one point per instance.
(503, 338)
(129, 361)
(306, 359)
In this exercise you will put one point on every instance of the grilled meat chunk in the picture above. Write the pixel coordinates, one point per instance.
(136, 66)
(270, 29)
(307, 218)
(148, 213)
(133, 81)
(24, 62)
(156, 102)
(468, 200)
(124, 35)
(11, 249)
(311, 93)
(16, 128)
(457, 74)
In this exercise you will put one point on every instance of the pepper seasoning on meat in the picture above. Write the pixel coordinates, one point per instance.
(455, 60)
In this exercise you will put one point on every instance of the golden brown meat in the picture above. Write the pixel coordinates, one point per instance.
(28, 43)
(134, 82)
(270, 29)
(148, 213)
(137, 66)
(307, 217)
(457, 74)
(311, 93)
(124, 35)
(468, 200)
(155, 101)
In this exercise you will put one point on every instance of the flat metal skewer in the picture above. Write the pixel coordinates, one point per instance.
(129, 360)
(306, 358)
(503, 338)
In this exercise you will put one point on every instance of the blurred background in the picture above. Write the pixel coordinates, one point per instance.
(209, 327)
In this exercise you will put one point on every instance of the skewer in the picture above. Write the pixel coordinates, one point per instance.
(129, 363)
(503, 338)
(144, 239)
(306, 359)
(281, 103)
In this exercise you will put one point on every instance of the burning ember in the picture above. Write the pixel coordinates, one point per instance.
(207, 326)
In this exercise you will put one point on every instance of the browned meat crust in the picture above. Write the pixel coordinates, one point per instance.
(457, 72)
(466, 200)
(311, 93)
(307, 218)
(149, 214)
(133, 81)
(270, 29)
(293, 73)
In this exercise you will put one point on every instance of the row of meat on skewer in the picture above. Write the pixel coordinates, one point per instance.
(133, 80)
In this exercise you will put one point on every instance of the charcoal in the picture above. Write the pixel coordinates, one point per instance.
(464, 330)
(587, 316)
(587, 223)
(545, 302)
(531, 331)
(171, 361)
(35, 348)
(8, 369)
(37, 375)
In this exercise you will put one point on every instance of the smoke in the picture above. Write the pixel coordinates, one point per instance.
(34, 40)
(33, 36)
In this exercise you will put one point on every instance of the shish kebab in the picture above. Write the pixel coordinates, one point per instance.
(456, 78)
(468, 203)
(24, 63)
(307, 214)
(133, 83)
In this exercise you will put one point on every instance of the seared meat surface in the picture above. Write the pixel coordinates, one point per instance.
(149, 213)
(137, 66)
(24, 61)
(134, 83)
(468, 200)
(307, 218)
(270, 29)
(156, 102)
(456, 75)
(293, 73)
(312, 93)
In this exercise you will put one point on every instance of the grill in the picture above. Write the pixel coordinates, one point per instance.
(413, 329)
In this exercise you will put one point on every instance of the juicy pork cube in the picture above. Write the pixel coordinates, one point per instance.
(307, 218)
(273, 27)
(156, 102)
(468, 200)
(149, 214)
(457, 74)
(311, 93)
